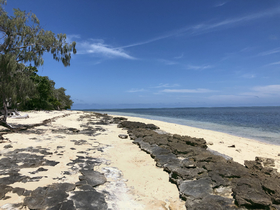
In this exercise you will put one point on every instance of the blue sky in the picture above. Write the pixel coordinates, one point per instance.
(159, 53)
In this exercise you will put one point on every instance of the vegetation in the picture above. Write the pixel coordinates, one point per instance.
(24, 41)
(44, 95)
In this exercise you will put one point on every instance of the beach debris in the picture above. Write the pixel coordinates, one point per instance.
(210, 143)
(232, 146)
(123, 136)
(221, 142)
(238, 150)
(20, 116)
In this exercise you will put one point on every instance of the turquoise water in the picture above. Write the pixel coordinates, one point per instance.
(260, 123)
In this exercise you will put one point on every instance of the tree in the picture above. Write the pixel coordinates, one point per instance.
(24, 41)
(45, 95)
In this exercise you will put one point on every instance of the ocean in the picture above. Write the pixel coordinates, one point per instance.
(259, 123)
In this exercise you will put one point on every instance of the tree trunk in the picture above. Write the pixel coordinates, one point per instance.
(5, 111)
(3, 122)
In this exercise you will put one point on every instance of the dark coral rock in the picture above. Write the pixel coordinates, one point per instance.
(93, 178)
(49, 197)
(196, 189)
(213, 202)
(133, 125)
(92, 200)
(248, 192)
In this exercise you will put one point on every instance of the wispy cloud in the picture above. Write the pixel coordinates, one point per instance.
(199, 90)
(268, 91)
(270, 52)
(248, 76)
(135, 90)
(274, 63)
(201, 67)
(179, 57)
(97, 47)
(167, 62)
(166, 85)
(202, 28)
(221, 3)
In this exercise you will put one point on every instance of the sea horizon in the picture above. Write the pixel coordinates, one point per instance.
(260, 123)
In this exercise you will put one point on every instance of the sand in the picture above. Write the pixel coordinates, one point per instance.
(133, 179)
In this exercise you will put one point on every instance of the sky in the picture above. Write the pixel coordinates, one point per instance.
(164, 53)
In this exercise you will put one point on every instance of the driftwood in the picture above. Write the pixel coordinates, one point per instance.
(20, 116)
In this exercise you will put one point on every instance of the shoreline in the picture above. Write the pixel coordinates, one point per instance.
(245, 148)
(81, 154)
(205, 126)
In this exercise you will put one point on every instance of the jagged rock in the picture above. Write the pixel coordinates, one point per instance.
(18, 190)
(227, 169)
(118, 119)
(213, 202)
(265, 161)
(187, 163)
(218, 180)
(223, 191)
(133, 125)
(89, 200)
(253, 165)
(248, 192)
(4, 189)
(271, 186)
(168, 159)
(48, 197)
(93, 178)
(206, 172)
(156, 151)
(187, 174)
(196, 189)
(197, 142)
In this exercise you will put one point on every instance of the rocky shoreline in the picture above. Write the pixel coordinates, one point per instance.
(205, 179)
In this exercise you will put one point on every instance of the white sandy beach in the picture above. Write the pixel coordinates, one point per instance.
(137, 183)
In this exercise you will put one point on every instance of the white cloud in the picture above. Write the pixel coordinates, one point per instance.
(268, 91)
(98, 48)
(166, 85)
(135, 90)
(72, 37)
(201, 67)
(199, 90)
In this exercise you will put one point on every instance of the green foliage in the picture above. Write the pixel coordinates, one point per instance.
(45, 96)
(23, 40)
